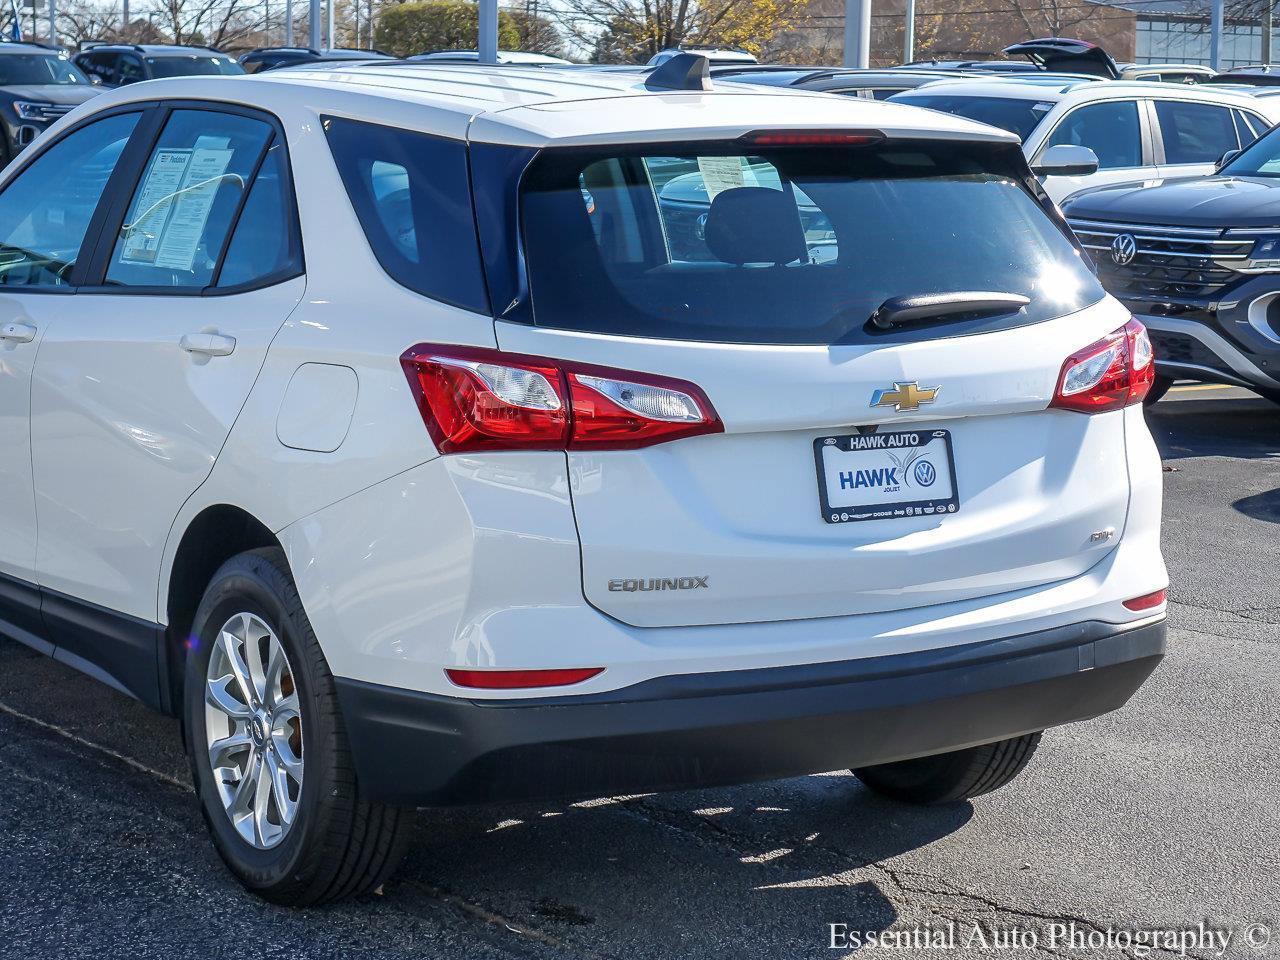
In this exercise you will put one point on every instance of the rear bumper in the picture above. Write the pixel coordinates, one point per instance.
(738, 726)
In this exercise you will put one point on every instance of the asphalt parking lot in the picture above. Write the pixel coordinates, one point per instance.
(1162, 815)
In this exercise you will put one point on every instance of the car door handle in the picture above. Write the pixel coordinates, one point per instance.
(18, 332)
(208, 344)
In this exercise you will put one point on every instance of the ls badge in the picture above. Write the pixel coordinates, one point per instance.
(904, 396)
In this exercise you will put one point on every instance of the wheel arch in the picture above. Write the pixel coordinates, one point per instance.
(214, 535)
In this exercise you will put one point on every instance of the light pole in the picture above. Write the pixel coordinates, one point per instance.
(288, 23)
(1215, 35)
(909, 33)
(313, 24)
(857, 33)
(488, 48)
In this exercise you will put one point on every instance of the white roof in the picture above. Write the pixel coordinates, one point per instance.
(537, 106)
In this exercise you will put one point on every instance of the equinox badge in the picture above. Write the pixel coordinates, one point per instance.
(644, 586)
(904, 396)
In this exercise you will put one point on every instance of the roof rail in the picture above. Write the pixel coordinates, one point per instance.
(684, 71)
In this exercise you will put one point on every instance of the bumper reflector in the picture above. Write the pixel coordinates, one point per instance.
(520, 679)
(1147, 601)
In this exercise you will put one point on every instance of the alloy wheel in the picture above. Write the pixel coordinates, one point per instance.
(253, 730)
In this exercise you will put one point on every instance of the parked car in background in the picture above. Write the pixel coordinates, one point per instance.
(1256, 76)
(385, 441)
(970, 66)
(1198, 262)
(273, 58)
(521, 57)
(716, 56)
(115, 65)
(38, 85)
(1135, 131)
(869, 84)
(1063, 55)
(1167, 72)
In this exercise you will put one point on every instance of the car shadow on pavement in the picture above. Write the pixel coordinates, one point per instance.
(797, 855)
(1245, 428)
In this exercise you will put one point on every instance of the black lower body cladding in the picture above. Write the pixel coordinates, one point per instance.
(738, 726)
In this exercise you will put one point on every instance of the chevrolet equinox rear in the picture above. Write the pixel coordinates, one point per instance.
(553, 435)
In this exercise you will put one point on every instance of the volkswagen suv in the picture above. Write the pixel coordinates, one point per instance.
(367, 419)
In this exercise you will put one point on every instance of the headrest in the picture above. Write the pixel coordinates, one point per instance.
(755, 225)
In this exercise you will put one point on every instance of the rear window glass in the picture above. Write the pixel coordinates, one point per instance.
(791, 245)
(1008, 113)
(412, 194)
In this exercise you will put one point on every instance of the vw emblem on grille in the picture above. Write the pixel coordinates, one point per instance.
(1123, 249)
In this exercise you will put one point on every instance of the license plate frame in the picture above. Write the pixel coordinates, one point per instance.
(883, 443)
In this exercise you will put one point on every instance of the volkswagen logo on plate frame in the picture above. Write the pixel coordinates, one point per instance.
(1123, 249)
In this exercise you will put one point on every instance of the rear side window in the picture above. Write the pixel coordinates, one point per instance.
(264, 244)
(45, 210)
(187, 199)
(786, 245)
(411, 192)
(1195, 132)
(1110, 130)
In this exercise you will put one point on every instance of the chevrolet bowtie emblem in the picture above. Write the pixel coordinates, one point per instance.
(904, 396)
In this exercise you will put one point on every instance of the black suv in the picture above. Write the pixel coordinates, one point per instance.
(272, 58)
(116, 64)
(1198, 261)
(38, 84)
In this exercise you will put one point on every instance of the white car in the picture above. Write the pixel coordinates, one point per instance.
(1137, 130)
(360, 417)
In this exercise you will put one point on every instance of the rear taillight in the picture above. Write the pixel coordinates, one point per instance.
(474, 399)
(1114, 372)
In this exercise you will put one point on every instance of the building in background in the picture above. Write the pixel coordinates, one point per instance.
(1138, 31)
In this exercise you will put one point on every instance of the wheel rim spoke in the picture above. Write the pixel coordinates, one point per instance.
(253, 726)
(217, 694)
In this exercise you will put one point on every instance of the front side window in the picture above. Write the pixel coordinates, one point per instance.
(1110, 130)
(785, 245)
(45, 211)
(1016, 115)
(185, 203)
(1195, 132)
(1260, 159)
(412, 195)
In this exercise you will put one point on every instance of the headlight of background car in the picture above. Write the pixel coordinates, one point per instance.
(1264, 256)
(27, 110)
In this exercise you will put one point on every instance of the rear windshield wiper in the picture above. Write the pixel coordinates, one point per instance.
(901, 311)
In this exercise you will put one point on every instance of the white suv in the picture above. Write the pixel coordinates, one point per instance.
(364, 419)
(1136, 131)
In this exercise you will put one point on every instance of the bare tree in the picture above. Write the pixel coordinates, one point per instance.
(216, 23)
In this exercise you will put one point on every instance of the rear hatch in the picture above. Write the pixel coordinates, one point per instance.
(856, 465)
(1061, 55)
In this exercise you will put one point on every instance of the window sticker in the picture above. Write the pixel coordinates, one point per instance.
(155, 202)
(180, 239)
(1270, 166)
(721, 174)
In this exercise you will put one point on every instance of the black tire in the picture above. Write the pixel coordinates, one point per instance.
(1158, 389)
(951, 777)
(339, 844)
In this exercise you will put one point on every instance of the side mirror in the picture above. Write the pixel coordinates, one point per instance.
(1225, 159)
(1066, 160)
